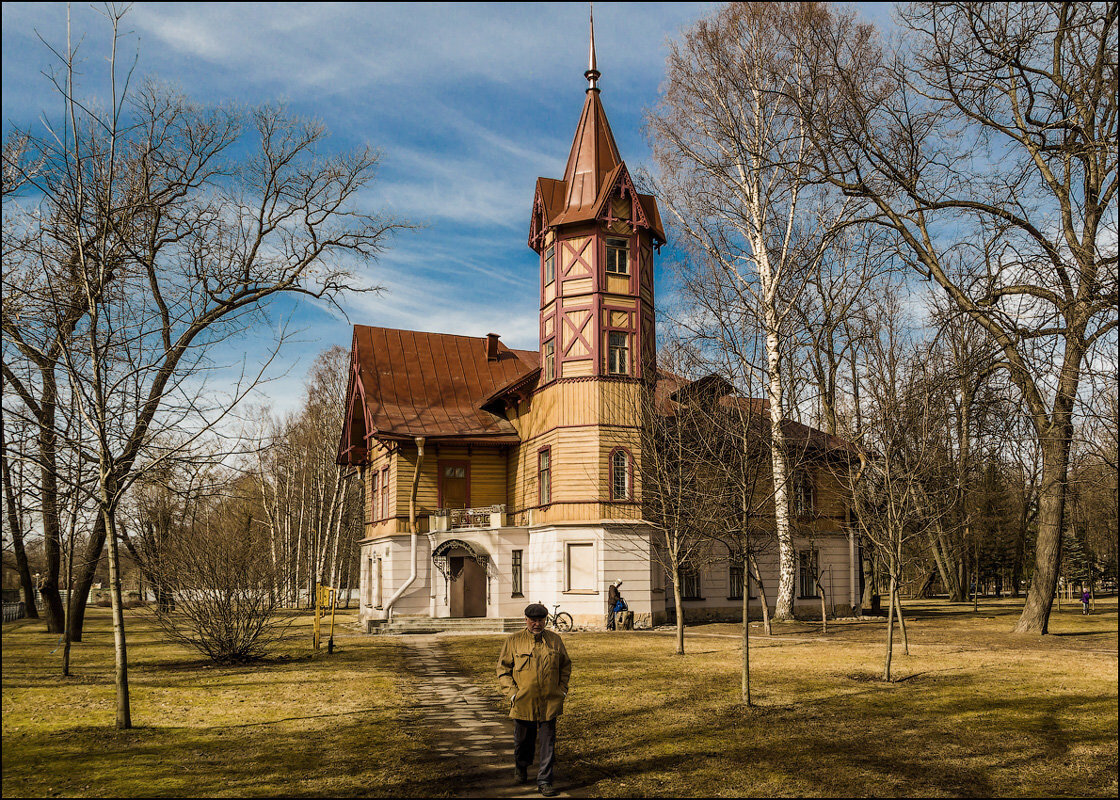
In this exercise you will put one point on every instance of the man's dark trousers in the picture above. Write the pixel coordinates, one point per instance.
(525, 735)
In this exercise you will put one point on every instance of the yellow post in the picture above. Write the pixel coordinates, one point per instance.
(334, 605)
(318, 608)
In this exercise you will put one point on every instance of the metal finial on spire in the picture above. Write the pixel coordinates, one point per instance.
(592, 73)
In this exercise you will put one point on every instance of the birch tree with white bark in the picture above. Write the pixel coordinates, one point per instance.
(735, 174)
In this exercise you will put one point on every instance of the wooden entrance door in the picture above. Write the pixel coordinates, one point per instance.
(454, 484)
(468, 586)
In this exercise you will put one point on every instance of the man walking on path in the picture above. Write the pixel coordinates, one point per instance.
(533, 671)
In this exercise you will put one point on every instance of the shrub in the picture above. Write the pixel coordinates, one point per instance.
(222, 579)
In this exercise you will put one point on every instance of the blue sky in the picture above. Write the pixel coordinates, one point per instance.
(468, 102)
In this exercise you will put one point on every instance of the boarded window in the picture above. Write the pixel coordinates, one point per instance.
(619, 353)
(808, 567)
(518, 588)
(580, 573)
(544, 477)
(620, 475)
(618, 261)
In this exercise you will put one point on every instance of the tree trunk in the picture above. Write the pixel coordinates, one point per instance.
(762, 598)
(679, 605)
(890, 632)
(787, 567)
(120, 651)
(1051, 513)
(901, 623)
(746, 677)
(80, 597)
(15, 525)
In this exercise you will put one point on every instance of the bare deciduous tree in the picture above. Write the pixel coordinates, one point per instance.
(988, 146)
(160, 233)
(732, 146)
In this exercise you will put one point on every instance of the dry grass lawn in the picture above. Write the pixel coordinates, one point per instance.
(299, 725)
(975, 712)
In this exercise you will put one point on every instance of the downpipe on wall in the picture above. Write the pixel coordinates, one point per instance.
(388, 612)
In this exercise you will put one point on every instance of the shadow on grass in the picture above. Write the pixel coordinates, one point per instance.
(341, 760)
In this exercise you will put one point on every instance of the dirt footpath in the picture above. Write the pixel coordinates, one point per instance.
(467, 729)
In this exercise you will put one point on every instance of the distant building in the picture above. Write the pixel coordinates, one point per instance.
(529, 488)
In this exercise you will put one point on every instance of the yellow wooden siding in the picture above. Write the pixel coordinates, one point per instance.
(487, 476)
(617, 284)
(616, 300)
(576, 289)
(577, 369)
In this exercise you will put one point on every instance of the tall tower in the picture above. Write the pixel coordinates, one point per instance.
(595, 236)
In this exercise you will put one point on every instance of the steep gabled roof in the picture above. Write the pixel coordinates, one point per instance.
(411, 383)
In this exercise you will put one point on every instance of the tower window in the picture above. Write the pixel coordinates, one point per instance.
(544, 476)
(620, 475)
(550, 265)
(618, 261)
(618, 356)
(549, 360)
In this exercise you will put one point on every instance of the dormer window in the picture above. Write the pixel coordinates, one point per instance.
(550, 265)
(618, 257)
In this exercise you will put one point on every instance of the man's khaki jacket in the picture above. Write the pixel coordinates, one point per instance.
(533, 673)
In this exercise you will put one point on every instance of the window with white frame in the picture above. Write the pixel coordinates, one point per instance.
(620, 475)
(618, 257)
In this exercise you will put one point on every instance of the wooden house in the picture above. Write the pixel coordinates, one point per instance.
(496, 477)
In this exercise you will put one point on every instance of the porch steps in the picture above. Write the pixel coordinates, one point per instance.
(448, 625)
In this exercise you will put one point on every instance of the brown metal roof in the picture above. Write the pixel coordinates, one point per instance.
(433, 384)
(671, 389)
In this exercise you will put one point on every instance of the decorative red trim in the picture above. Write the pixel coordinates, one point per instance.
(440, 464)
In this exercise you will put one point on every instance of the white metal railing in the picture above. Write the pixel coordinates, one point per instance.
(449, 519)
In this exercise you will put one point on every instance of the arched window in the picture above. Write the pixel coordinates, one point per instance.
(621, 474)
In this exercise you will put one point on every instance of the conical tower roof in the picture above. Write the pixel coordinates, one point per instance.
(592, 160)
(594, 168)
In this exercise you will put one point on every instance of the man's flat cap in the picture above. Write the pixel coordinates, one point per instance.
(536, 611)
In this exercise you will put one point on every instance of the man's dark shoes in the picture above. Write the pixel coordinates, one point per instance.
(546, 789)
(522, 774)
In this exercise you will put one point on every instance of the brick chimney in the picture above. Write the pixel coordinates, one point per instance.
(491, 347)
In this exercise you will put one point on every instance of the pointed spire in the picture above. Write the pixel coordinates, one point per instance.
(592, 73)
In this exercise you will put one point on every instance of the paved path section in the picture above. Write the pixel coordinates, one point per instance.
(466, 729)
